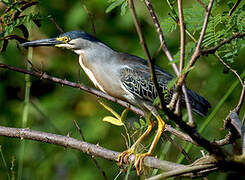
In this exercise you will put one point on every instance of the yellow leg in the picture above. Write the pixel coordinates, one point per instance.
(132, 150)
(140, 157)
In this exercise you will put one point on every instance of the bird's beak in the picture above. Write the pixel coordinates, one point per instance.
(43, 42)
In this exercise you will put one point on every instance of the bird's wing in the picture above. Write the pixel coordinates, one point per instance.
(136, 77)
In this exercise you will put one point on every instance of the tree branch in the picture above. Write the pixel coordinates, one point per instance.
(91, 149)
(227, 66)
(182, 61)
(149, 60)
(92, 157)
(234, 8)
(234, 120)
(166, 51)
(197, 51)
(222, 43)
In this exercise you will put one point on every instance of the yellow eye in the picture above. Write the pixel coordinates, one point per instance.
(66, 39)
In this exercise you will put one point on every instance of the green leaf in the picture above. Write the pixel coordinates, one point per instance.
(124, 114)
(176, 59)
(124, 8)
(172, 83)
(136, 125)
(187, 70)
(114, 5)
(194, 17)
(169, 25)
(110, 110)
(142, 122)
(156, 101)
(113, 120)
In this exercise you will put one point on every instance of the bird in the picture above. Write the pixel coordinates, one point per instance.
(126, 77)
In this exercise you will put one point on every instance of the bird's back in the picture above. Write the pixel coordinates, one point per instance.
(136, 78)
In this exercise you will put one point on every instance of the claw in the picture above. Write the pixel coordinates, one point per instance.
(139, 160)
(126, 154)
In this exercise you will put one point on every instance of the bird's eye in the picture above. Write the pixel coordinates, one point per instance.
(66, 39)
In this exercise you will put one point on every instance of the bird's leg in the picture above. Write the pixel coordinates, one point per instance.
(140, 157)
(161, 126)
(126, 154)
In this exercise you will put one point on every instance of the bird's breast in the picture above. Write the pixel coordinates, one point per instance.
(89, 73)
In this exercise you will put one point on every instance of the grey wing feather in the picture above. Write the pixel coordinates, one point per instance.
(136, 78)
(138, 82)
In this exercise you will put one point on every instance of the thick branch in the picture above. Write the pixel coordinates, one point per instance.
(91, 149)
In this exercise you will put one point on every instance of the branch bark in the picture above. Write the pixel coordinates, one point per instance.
(149, 60)
(197, 51)
(98, 151)
(91, 149)
(166, 51)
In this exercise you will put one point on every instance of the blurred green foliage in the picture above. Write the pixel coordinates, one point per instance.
(52, 107)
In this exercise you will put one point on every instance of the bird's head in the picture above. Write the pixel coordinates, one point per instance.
(77, 41)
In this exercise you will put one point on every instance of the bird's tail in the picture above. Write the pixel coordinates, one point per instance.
(198, 103)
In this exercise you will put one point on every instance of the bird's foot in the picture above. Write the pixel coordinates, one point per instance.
(126, 154)
(138, 163)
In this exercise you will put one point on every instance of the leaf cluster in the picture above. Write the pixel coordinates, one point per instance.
(14, 18)
(221, 26)
(116, 3)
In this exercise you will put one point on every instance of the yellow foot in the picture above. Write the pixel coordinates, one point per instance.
(126, 154)
(138, 163)
(139, 160)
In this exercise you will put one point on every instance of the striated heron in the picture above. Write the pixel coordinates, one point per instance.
(126, 77)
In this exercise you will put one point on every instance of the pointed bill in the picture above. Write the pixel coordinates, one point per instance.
(42, 42)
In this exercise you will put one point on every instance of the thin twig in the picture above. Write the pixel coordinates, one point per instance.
(232, 70)
(222, 43)
(178, 147)
(161, 37)
(181, 171)
(234, 8)
(182, 36)
(203, 5)
(196, 53)
(144, 46)
(241, 100)
(229, 139)
(90, 15)
(179, 134)
(240, 128)
(56, 25)
(166, 51)
(182, 60)
(92, 157)
(198, 47)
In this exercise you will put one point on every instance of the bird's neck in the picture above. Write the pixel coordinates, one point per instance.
(98, 54)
